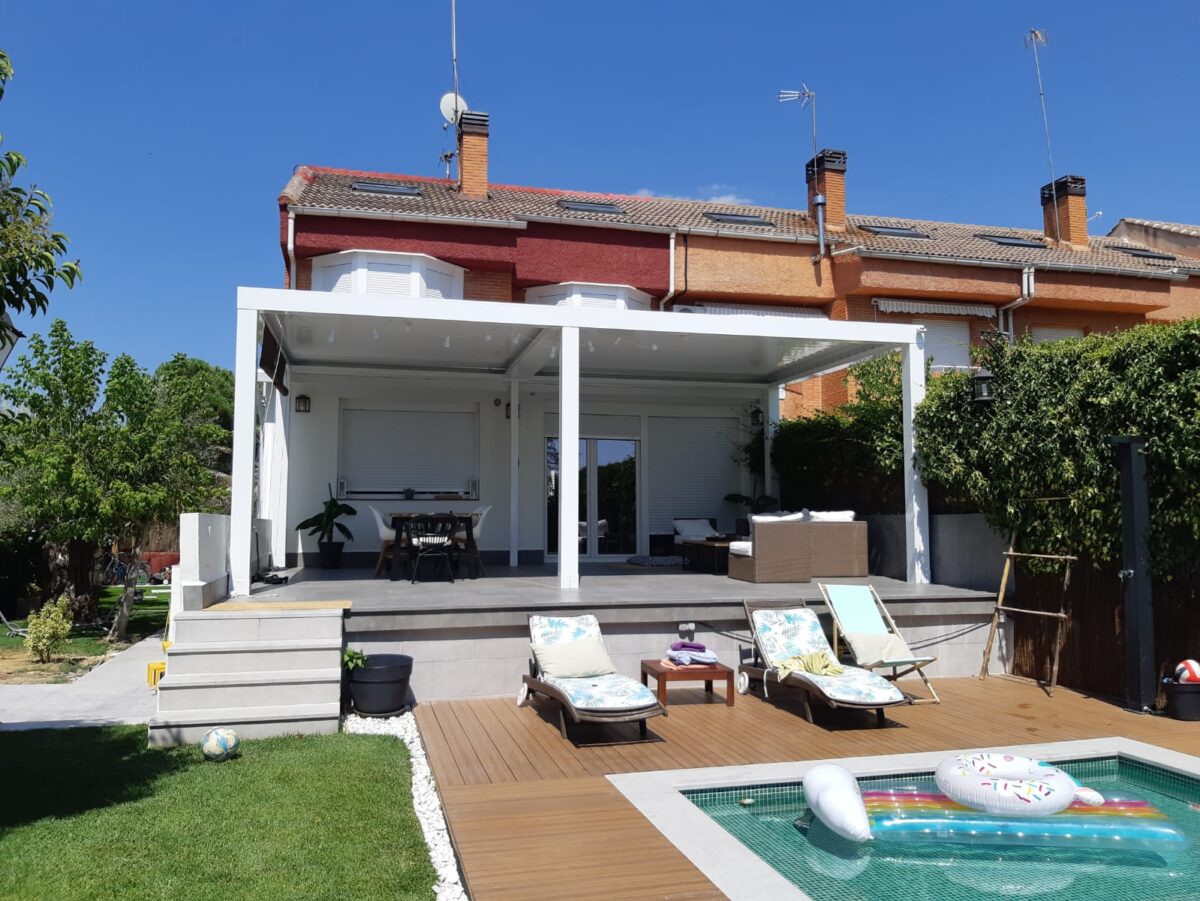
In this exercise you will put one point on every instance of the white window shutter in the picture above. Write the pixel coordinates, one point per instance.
(337, 278)
(691, 469)
(1043, 333)
(947, 343)
(389, 278)
(387, 451)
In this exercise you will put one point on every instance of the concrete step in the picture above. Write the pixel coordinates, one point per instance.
(196, 626)
(234, 691)
(253, 656)
(186, 726)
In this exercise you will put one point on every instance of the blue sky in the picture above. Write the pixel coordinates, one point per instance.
(165, 131)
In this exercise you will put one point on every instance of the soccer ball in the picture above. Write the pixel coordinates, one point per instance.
(1187, 671)
(220, 743)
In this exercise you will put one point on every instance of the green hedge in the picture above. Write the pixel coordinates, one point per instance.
(1047, 435)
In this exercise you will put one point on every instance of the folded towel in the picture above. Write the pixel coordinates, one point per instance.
(671, 664)
(687, 646)
(818, 663)
(687, 657)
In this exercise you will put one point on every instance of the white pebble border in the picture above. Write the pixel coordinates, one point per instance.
(425, 799)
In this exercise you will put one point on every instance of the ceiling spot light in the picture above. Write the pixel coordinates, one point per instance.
(553, 352)
(591, 347)
(407, 326)
(618, 341)
(487, 337)
(374, 335)
(332, 336)
(446, 343)
(654, 347)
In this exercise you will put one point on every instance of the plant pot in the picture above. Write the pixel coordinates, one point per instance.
(381, 687)
(331, 554)
(1183, 700)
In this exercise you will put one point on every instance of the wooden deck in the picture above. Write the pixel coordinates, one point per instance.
(532, 815)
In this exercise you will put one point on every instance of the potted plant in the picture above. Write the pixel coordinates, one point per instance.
(409, 493)
(378, 683)
(323, 525)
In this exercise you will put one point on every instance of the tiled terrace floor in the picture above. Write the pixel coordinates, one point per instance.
(532, 815)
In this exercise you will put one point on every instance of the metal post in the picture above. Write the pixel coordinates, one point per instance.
(1140, 688)
(916, 498)
(241, 504)
(568, 460)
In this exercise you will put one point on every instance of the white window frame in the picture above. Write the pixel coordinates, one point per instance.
(930, 352)
(360, 262)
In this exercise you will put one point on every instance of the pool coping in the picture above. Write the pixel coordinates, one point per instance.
(740, 873)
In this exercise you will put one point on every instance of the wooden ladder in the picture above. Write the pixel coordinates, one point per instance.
(1062, 616)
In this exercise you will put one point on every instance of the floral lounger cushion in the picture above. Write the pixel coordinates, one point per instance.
(609, 692)
(793, 632)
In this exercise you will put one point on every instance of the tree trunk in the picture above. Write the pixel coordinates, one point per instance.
(121, 621)
(81, 567)
(57, 562)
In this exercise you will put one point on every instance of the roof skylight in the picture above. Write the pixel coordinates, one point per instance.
(1010, 241)
(894, 231)
(1144, 253)
(738, 219)
(590, 206)
(375, 187)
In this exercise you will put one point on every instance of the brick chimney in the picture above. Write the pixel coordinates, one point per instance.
(826, 175)
(1067, 196)
(473, 154)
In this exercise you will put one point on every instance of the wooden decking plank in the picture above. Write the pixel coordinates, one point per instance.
(441, 759)
(483, 743)
(473, 772)
(523, 760)
(549, 745)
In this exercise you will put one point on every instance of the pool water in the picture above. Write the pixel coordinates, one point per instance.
(779, 829)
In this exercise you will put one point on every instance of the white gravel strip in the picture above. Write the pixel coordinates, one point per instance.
(425, 799)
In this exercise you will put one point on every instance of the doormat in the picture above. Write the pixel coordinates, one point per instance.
(647, 560)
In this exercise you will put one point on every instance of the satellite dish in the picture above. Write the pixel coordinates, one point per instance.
(452, 106)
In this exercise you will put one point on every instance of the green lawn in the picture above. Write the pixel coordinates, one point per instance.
(91, 813)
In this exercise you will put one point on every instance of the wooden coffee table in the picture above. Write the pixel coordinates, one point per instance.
(706, 555)
(707, 675)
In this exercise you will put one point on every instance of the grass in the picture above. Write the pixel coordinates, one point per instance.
(85, 650)
(92, 813)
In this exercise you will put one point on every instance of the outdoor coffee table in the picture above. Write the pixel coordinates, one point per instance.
(707, 675)
(706, 555)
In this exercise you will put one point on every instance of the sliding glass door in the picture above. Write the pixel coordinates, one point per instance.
(607, 496)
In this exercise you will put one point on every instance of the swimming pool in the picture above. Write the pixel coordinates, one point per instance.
(754, 837)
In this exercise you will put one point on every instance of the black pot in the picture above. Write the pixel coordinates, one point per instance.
(331, 554)
(381, 687)
(1183, 700)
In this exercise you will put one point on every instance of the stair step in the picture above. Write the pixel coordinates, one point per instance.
(185, 726)
(196, 626)
(205, 691)
(234, 657)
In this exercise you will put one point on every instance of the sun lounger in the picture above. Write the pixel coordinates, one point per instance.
(12, 631)
(871, 634)
(603, 697)
(781, 633)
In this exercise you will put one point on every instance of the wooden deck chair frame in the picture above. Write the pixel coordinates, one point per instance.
(535, 684)
(914, 665)
(757, 670)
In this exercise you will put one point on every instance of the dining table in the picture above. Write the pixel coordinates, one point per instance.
(464, 522)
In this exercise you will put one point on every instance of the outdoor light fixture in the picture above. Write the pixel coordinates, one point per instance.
(303, 403)
(508, 411)
(984, 391)
(756, 417)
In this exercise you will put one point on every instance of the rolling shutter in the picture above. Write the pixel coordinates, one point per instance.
(386, 451)
(1043, 333)
(947, 343)
(389, 278)
(691, 469)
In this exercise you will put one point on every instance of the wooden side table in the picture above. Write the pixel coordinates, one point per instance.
(707, 675)
(709, 555)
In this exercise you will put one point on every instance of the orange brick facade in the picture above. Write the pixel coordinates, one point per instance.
(484, 285)
(473, 165)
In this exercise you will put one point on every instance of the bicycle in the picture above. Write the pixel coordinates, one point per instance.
(114, 569)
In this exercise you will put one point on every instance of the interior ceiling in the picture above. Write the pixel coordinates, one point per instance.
(387, 342)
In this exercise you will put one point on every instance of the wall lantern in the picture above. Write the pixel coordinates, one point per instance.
(983, 387)
(303, 403)
(508, 411)
(756, 417)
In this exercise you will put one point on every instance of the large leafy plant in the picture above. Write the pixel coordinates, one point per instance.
(324, 523)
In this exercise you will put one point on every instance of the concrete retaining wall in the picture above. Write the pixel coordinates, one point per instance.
(203, 569)
(966, 553)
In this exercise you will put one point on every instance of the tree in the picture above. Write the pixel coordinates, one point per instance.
(208, 392)
(31, 254)
(90, 459)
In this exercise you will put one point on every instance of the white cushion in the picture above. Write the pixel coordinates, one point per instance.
(742, 548)
(693, 528)
(573, 659)
(831, 516)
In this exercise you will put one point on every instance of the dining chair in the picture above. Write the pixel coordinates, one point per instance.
(431, 536)
(387, 540)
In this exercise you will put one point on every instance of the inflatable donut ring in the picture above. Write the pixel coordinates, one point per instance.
(1001, 783)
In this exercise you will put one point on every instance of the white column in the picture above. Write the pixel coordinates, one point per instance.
(568, 458)
(916, 498)
(514, 470)
(770, 408)
(241, 502)
(277, 512)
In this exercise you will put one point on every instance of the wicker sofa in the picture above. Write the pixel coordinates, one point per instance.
(800, 551)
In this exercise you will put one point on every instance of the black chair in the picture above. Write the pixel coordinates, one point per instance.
(431, 536)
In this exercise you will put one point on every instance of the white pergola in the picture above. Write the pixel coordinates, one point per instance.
(516, 343)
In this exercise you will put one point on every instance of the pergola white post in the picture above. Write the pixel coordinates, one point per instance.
(770, 420)
(568, 458)
(514, 469)
(916, 498)
(241, 502)
(276, 512)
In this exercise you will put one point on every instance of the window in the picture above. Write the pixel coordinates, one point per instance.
(894, 231)
(947, 343)
(383, 452)
(1043, 333)
(739, 219)
(1010, 241)
(691, 469)
(386, 273)
(590, 206)
(374, 187)
(1144, 253)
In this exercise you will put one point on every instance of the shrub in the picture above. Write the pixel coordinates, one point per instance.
(49, 628)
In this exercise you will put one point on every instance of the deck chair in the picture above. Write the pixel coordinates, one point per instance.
(605, 698)
(783, 632)
(871, 634)
(11, 631)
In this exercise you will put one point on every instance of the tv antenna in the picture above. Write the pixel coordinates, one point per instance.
(452, 104)
(807, 98)
(1038, 38)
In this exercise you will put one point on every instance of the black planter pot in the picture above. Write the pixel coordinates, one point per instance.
(381, 687)
(1183, 700)
(331, 554)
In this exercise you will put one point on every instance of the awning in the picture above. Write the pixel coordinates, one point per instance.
(901, 305)
(751, 309)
